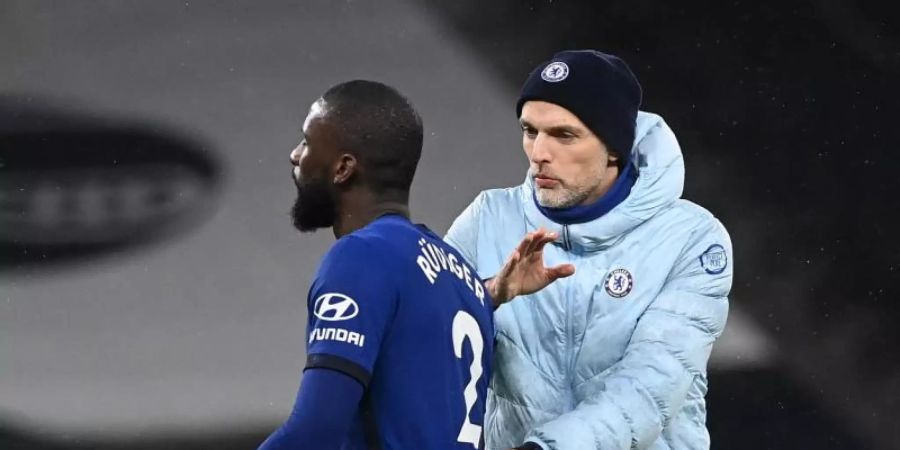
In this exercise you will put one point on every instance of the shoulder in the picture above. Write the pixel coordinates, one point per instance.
(372, 247)
(690, 231)
(696, 221)
(357, 263)
(350, 250)
(706, 254)
(510, 195)
(487, 206)
(499, 200)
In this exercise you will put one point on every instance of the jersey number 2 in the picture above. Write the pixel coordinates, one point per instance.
(465, 326)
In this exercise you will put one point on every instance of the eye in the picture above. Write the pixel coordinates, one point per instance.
(530, 132)
(565, 137)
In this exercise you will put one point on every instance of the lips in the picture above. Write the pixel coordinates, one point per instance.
(545, 182)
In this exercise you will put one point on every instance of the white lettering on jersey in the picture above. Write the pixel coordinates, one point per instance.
(433, 260)
(337, 334)
(426, 269)
(455, 269)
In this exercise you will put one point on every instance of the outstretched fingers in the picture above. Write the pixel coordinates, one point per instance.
(538, 239)
(525, 246)
(549, 237)
(507, 268)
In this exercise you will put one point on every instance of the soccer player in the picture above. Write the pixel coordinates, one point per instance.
(400, 334)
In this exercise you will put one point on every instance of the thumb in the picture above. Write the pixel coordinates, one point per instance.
(561, 271)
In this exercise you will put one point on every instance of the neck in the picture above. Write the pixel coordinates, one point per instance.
(358, 209)
(609, 180)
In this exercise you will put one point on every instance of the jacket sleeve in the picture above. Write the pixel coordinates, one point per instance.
(463, 233)
(666, 356)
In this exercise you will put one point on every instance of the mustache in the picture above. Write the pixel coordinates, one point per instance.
(543, 174)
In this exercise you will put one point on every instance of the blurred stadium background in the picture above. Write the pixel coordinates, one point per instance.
(152, 288)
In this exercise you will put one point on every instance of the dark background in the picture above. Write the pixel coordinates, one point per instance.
(178, 322)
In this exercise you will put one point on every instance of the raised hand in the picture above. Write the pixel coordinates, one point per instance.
(524, 272)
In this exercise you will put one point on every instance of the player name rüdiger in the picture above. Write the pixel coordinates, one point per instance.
(433, 260)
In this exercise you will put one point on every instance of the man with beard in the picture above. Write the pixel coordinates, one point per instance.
(614, 357)
(400, 334)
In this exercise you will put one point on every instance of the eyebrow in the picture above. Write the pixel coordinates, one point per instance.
(554, 129)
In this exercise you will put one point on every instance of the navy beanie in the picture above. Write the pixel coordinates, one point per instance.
(597, 87)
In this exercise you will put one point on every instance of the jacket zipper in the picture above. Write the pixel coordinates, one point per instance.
(570, 333)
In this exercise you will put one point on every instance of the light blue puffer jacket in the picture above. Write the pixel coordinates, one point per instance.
(615, 356)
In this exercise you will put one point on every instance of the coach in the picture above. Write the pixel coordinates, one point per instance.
(613, 356)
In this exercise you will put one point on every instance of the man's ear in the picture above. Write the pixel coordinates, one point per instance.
(613, 157)
(347, 166)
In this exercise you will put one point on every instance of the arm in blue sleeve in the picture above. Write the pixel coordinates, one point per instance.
(326, 404)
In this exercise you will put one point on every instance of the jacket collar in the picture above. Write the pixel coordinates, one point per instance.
(659, 164)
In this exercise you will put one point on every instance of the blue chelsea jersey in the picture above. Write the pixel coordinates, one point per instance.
(399, 310)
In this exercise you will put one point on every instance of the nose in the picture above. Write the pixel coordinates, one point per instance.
(295, 156)
(540, 149)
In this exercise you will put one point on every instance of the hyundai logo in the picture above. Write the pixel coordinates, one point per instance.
(333, 307)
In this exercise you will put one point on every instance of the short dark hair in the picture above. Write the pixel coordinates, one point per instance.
(381, 128)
